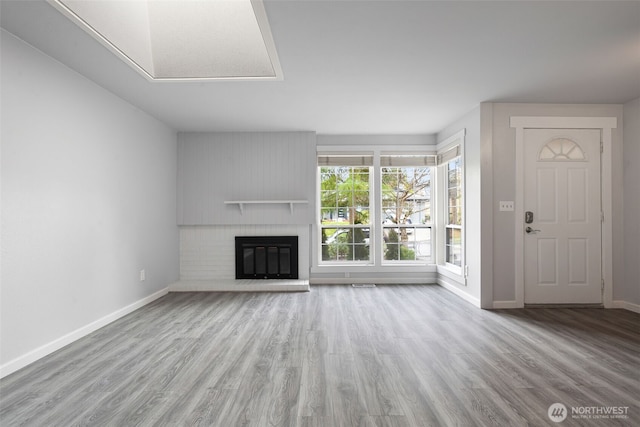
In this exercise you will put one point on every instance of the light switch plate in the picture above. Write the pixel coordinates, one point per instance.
(506, 206)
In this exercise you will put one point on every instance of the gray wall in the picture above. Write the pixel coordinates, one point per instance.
(88, 200)
(218, 167)
(472, 198)
(629, 289)
(503, 169)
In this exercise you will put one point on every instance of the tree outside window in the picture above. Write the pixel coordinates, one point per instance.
(453, 235)
(406, 209)
(403, 228)
(345, 224)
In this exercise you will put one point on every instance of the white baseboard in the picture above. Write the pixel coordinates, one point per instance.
(40, 352)
(505, 304)
(457, 291)
(240, 286)
(616, 304)
(377, 280)
(627, 305)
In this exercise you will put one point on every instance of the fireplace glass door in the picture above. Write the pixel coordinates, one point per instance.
(268, 257)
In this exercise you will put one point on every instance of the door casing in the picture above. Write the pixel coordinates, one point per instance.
(605, 124)
(562, 259)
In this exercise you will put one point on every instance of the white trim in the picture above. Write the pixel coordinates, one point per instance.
(542, 122)
(267, 38)
(457, 291)
(453, 138)
(519, 223)
(376, 232)
(497, 305)
(42, 351)
(232, 285)
(605, 124)
(452, 272)
(373, 269)
(369, 150)
(486, 209)
(261, 19)
(440, 207)
(425, 280)
(375, 263)
(626, 305)
(81, 23)
(606, 192)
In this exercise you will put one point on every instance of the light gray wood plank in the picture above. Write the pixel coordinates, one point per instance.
(418, 410)
(282, 402)
(347, 403)
(376, 385)
(314, 400)
(400, 355)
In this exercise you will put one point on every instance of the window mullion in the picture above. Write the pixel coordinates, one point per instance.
(376, 220)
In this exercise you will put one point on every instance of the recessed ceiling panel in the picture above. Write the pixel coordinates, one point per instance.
(204, 38)
(173, 40)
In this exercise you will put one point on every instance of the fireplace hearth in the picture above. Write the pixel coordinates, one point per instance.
(266, 257)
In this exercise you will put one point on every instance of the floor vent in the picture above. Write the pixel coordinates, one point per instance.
(363, 285)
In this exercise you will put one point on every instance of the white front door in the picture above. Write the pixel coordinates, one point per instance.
(562, 203)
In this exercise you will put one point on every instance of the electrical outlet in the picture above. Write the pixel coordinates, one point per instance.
(143, 275)
(506, 206)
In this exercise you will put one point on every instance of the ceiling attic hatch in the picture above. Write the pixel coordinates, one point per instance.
(182, 40)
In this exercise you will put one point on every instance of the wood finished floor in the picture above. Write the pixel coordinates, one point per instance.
(337, 356)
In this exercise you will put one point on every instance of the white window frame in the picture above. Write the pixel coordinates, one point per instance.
(430, 225)
(318, 256)
(375, 201)
(441, 210)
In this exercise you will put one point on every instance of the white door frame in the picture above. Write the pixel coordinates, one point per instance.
(605, 124)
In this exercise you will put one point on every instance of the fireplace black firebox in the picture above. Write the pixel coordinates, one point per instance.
(267, 257)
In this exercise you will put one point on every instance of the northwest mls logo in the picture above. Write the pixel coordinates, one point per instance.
(557, 412)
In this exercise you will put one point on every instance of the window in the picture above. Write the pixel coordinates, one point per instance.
(391, 210)
(451, 207)
(345, 208)
(406, 208)
(562, 149)
(453, 240)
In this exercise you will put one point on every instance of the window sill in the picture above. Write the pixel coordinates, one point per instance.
(454, 274)
(370, 268)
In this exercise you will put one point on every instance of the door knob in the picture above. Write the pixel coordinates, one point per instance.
(530, 230)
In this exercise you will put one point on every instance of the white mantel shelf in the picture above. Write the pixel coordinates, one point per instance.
(241, 203)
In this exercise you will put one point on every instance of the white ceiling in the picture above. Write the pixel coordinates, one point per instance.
(379, 67)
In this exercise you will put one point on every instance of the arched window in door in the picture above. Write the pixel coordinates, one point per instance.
(561, 149)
